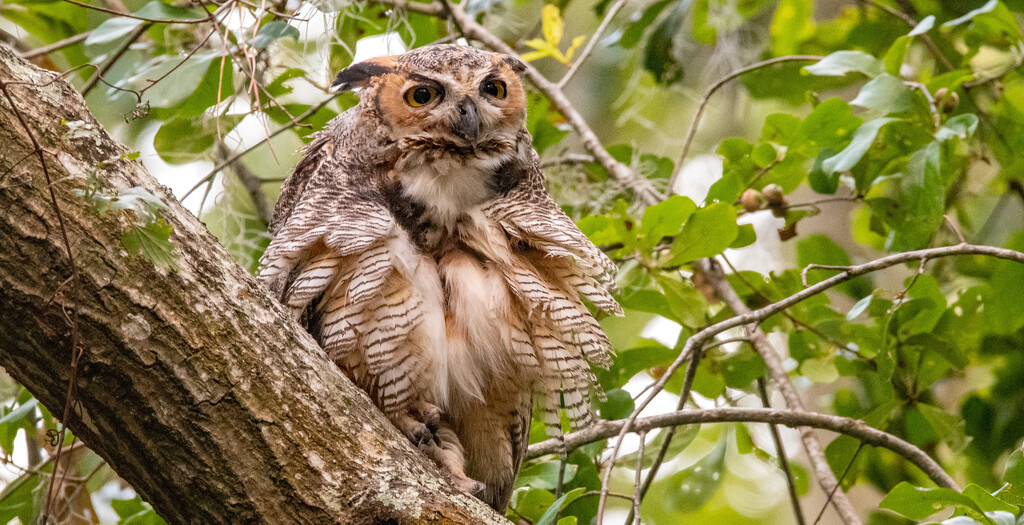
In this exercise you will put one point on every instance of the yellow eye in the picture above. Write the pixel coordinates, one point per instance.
(421, 95)
(494, 88)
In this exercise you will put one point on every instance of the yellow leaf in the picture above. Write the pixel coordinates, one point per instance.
(533, 55)
(551, 23)
(576, 43)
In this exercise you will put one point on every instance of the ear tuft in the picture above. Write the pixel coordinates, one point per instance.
(517, 65)
(359, 75)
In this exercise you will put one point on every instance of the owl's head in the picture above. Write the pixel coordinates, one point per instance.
(443, 96)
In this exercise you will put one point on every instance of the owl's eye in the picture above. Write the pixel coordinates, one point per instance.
(421, 95)
(494, 88)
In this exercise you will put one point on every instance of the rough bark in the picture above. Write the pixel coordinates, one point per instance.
(194, 385)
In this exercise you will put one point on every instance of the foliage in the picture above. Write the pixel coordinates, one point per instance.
(904, 135)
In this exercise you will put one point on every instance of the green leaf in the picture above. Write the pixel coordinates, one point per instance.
(545, 475)
(926, 24)
(922, 201)
(271, 31)
(859, 308)
(186, 139)
(549, 517)
(897, 52)
(689, 489)
(684, 435)
(18, 413)
(664, 219)
(17, 499)
(658, 56)
(703, 31)
(160, 11)
(708, 232)
(885, 94)
(792, 25)
(960, 126)
(1013, 475)
(989, 6)
(745, 236)
(112, 29)
(987, 502)
(152, 241)
(635, 30)
(918, 503)
(830, 125)
(948, 427)
(618, 404)
(859, 144)
(742, 367)
(532, 503)
(1004, 309)
(686, 305)
(842, 62)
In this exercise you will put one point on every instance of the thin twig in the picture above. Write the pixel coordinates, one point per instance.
(56, 46)
(704, 102)
(670, 433)
(780, 450)
(572, 158)
(230, 160)
(121, 50)
(76, 351)
(637, 496)
(928, 42)
(145, 19)
(589, 48)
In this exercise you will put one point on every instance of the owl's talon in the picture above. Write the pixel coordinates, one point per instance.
(426, 413)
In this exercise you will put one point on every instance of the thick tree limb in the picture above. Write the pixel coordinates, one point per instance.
(194, 385)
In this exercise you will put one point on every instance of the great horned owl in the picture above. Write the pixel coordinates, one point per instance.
(417, 243)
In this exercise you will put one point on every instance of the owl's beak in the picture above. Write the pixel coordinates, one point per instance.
(468, 125)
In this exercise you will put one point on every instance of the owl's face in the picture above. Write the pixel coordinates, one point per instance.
(443, 96)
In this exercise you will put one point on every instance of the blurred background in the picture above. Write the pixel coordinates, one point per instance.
(219, 116)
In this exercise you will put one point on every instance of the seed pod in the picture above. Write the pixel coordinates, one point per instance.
(950, 102)
(774, 194)
(753, 200)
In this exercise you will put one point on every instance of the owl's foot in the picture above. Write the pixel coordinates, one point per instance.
(447, 454)
(419, 422)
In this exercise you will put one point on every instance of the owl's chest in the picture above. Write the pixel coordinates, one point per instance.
(464, 273)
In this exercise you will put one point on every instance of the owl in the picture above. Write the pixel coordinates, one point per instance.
(416, 242)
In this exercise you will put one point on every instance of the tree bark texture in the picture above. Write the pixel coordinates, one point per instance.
(194, 385)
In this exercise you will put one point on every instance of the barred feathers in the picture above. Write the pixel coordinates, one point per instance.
(558, 266)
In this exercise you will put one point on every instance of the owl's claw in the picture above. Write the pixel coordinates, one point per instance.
(450, 464)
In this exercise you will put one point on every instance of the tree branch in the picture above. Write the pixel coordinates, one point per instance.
(790, 418)
(779, 374)
(193, 369)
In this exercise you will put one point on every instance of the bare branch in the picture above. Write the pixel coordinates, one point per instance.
(56, 46)
(790, 418)
(121, 49)
(780, 451)
(225, 6)
(230, 160)
(779, 374)
(572, 158)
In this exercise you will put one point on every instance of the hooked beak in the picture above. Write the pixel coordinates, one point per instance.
(468, 125)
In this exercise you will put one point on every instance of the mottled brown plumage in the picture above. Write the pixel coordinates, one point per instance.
(417, 242)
